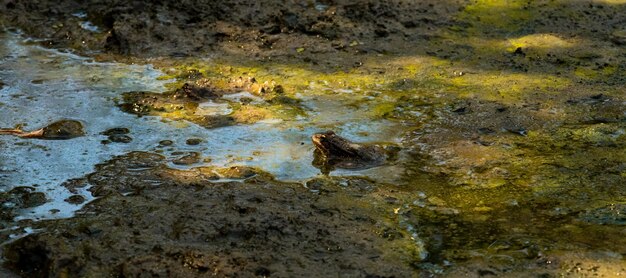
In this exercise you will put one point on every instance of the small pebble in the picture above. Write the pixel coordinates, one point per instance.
(116, 131)
(191, 158)
(166, 143)
(120, 138)
(194, 141)
(75, 199)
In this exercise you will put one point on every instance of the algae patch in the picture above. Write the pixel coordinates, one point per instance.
(214, 102)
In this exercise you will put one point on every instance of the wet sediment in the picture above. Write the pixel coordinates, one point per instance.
(167, 222)
(511, 159)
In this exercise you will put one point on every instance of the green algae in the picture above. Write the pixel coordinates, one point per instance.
(543, 162)
(193, 87)
(503, 197)
(501, 16)
(489, 193)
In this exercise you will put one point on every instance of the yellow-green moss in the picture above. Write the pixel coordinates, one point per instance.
(502, 15)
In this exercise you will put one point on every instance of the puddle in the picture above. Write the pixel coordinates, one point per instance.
(489, 174)
(43, 85)
(210, 108)
(510, 124)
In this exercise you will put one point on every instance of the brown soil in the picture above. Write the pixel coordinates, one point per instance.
(186, 226)
(151, 220)
(175, 29)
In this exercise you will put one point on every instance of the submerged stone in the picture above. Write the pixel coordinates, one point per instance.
(166, 143)
(191, 158)
(120, 138)
(75, 199)
(22, 197)
(125, 173)
(116, 131)
(194, 141)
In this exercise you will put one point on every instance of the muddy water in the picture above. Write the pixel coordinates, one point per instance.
(42, 86)
(511, 161)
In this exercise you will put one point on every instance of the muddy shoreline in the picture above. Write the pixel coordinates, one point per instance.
(511, 152)
(185, 226)
(265, 30)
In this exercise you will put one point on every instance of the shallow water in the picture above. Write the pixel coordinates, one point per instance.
(43, 85)
(497, 168)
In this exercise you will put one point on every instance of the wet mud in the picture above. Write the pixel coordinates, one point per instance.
(156, 220)
(212, 103)
(505, 121)
(192, 28)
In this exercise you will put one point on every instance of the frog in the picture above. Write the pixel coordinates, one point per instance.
(333, 151)
(59, 130)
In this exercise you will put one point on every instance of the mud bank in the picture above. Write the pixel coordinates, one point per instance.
(165, 222)
(508, 116)
(196, 28)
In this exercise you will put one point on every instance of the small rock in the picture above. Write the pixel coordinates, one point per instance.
(75, 199)
(120, 138)
(188, 159)
(461, 110)
(166, 143)
(519, 131)
(599, 98)
(33, 199)
(486, 130)
(194, 141)
(317, 185)
(271, 29)
(116, 131)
